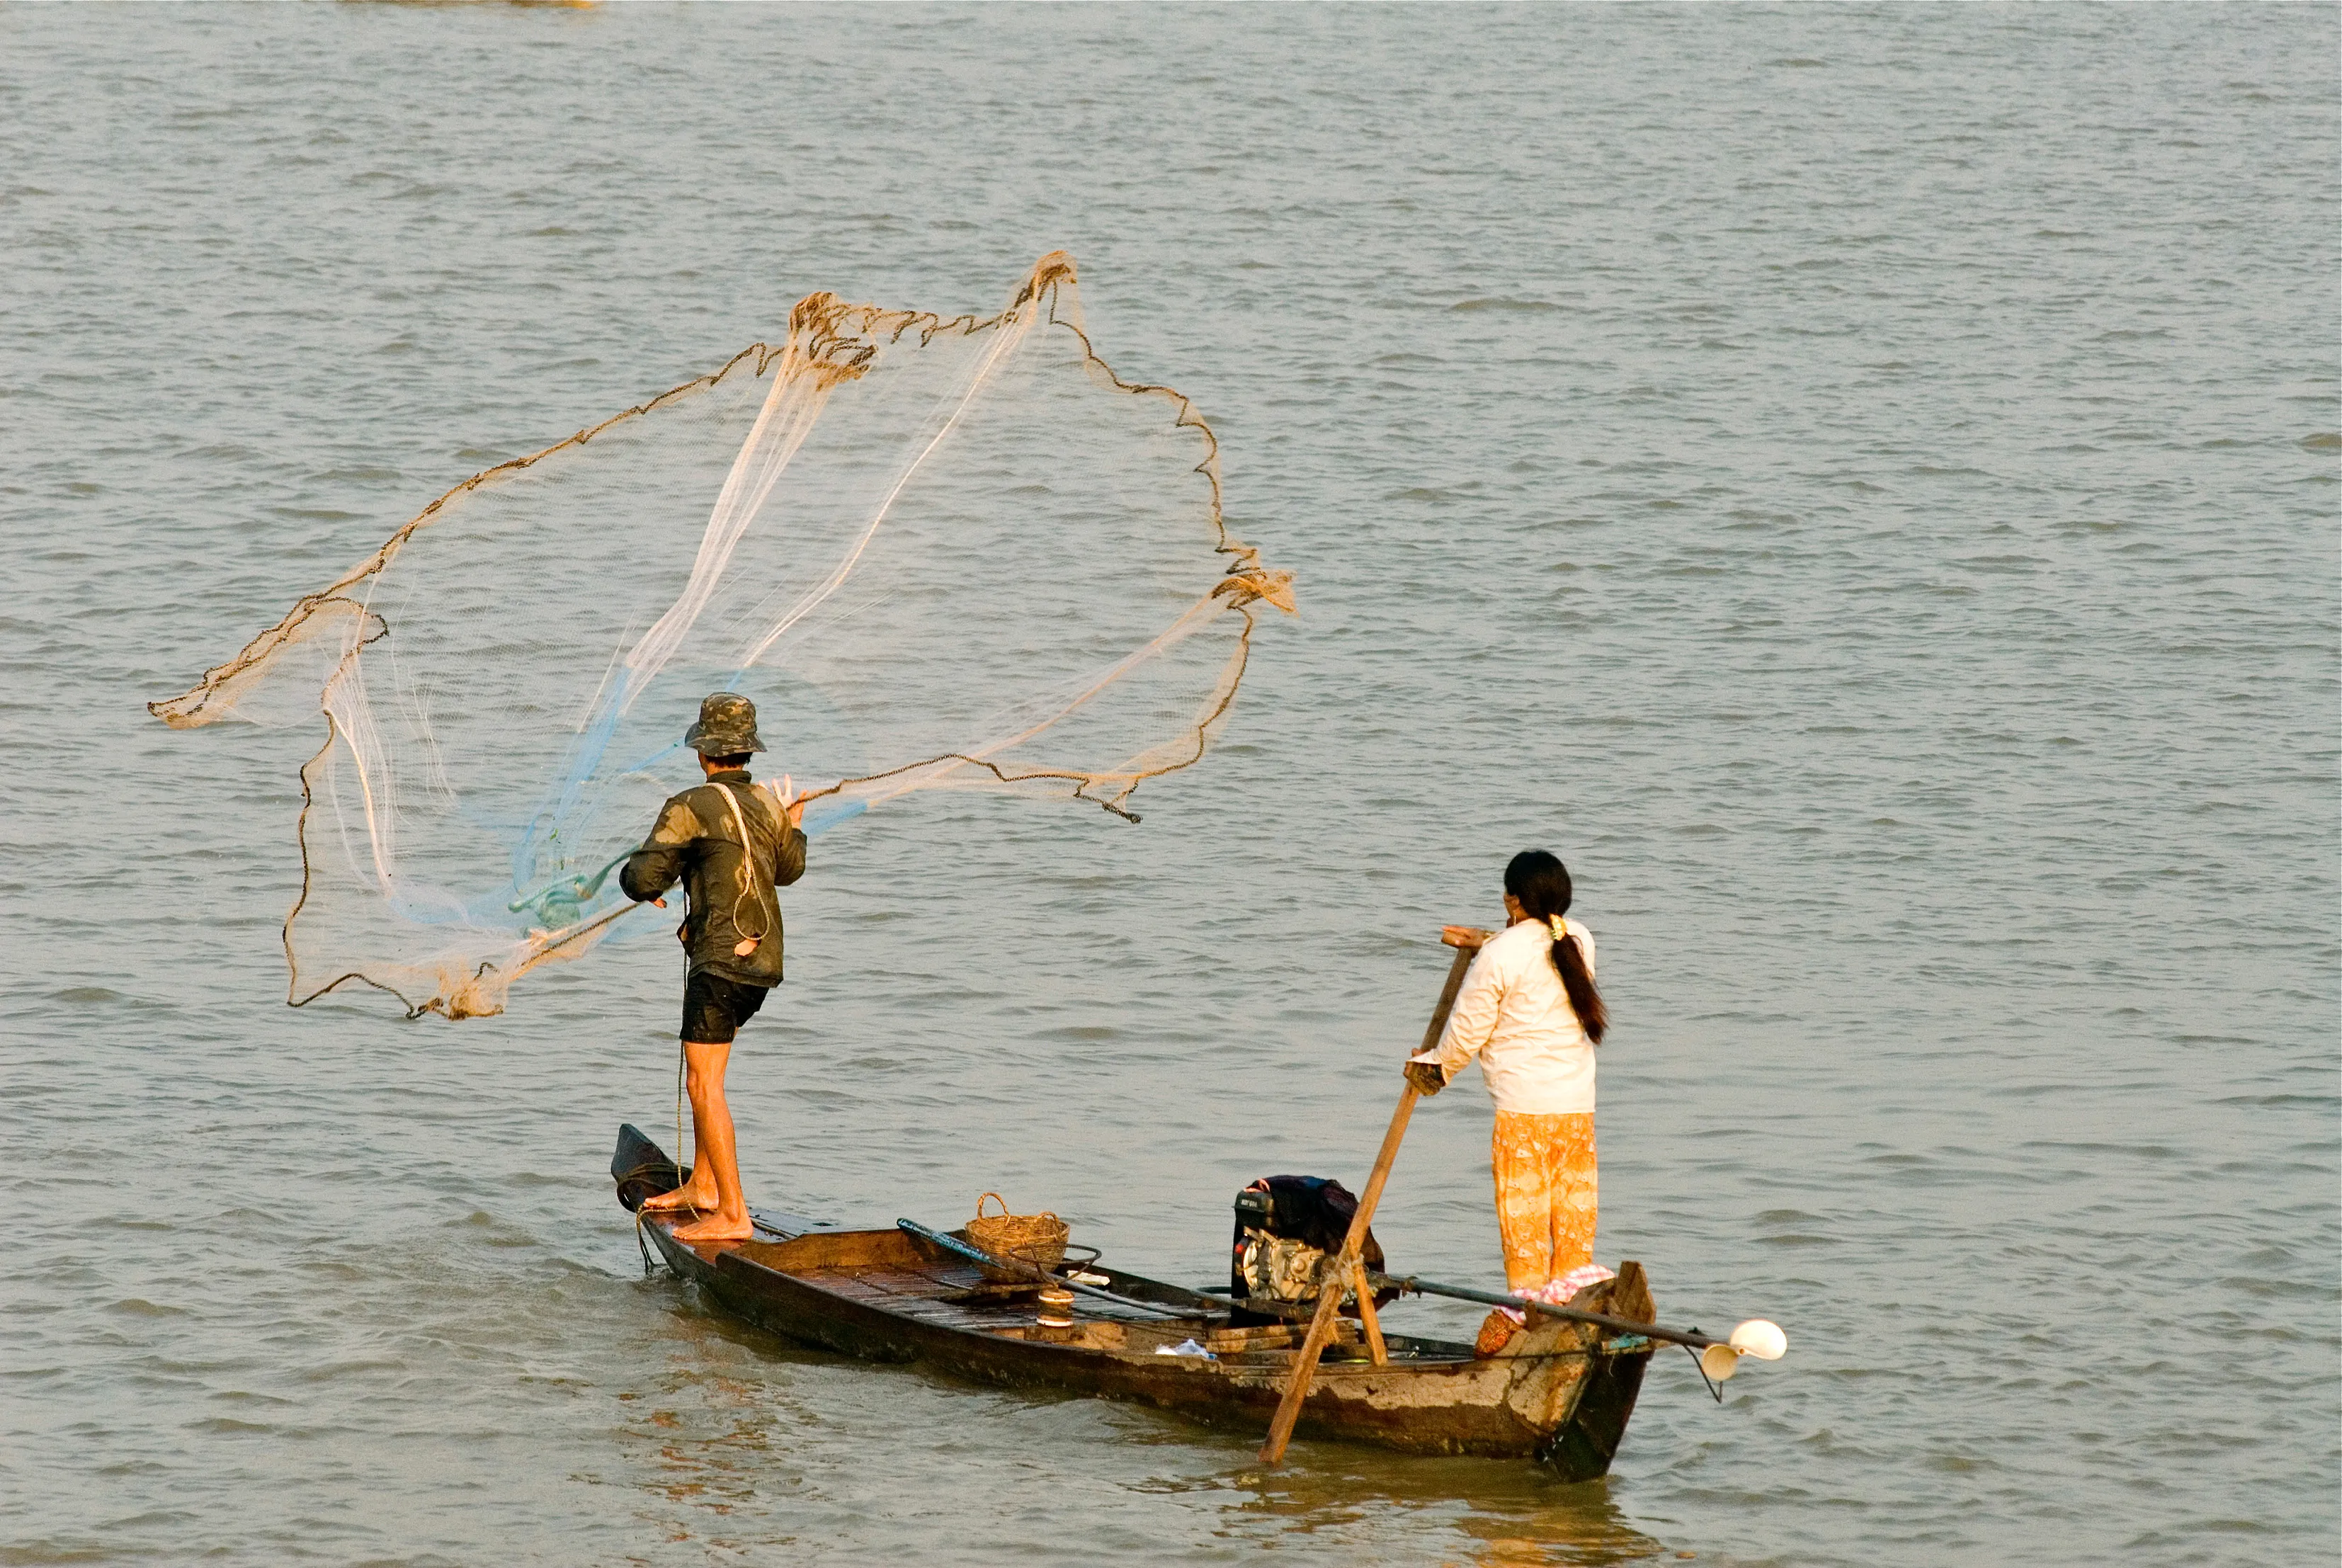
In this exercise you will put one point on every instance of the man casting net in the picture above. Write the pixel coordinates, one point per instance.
(938, 554)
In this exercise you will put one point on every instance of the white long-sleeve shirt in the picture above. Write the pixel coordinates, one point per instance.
(1513, 1014)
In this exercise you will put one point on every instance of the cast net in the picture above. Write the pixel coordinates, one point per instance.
(938, 554)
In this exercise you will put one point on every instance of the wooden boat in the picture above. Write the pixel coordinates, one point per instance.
(1560, 1394)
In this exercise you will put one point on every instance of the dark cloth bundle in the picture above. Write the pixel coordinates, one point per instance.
(1285, 1225)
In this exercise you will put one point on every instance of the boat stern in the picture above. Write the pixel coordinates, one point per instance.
(1576, 1383)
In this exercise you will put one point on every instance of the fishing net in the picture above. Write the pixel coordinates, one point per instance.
(938, 554)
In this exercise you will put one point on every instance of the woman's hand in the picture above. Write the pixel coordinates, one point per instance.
(1427, 1078)
(1470, 938)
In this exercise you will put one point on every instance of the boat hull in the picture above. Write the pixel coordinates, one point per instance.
(1560, 1394)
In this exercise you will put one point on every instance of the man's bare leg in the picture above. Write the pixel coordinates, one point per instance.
(711, 1123)
(699, 1193)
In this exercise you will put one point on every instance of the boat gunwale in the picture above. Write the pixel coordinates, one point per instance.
(1423, 1355)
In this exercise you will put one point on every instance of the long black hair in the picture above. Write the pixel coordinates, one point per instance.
(1540, 884)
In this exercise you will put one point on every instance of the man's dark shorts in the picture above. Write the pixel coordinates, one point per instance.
(714, 1008)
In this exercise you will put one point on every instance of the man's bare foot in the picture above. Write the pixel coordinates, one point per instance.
(714, 1228)
(693, 1196)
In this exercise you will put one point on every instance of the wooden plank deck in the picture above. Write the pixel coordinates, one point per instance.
(957, 1296)
(878, 1269)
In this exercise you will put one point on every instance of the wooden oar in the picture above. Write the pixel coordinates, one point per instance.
(1344, 1271)
(1035, 1271)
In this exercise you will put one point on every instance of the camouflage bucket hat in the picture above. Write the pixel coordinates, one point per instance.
(726, 726)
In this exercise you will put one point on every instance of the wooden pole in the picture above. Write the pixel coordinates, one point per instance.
(1366, 1318)
(1342, 1271)
(1611, 1321)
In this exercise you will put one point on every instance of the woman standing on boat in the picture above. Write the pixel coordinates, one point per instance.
(1529, 1011)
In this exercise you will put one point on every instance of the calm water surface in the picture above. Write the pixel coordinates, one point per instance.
(1859, 484)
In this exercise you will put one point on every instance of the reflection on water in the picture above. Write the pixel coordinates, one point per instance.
(1509, 1515)
(728, 1457)
(710, 1441)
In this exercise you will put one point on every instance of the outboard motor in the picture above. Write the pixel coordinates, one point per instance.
(1287, 1226)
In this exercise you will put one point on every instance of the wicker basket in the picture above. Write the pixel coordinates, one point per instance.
(1036, 1239)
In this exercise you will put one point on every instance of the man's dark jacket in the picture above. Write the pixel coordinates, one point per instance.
(697, 839)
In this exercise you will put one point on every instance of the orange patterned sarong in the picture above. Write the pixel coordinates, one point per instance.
(1545, 1194)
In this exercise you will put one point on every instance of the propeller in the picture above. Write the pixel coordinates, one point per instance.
(1757, 1337)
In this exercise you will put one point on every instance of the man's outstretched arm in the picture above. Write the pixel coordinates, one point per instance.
(651, 870)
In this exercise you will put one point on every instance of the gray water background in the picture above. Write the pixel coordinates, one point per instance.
(1860, 483)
